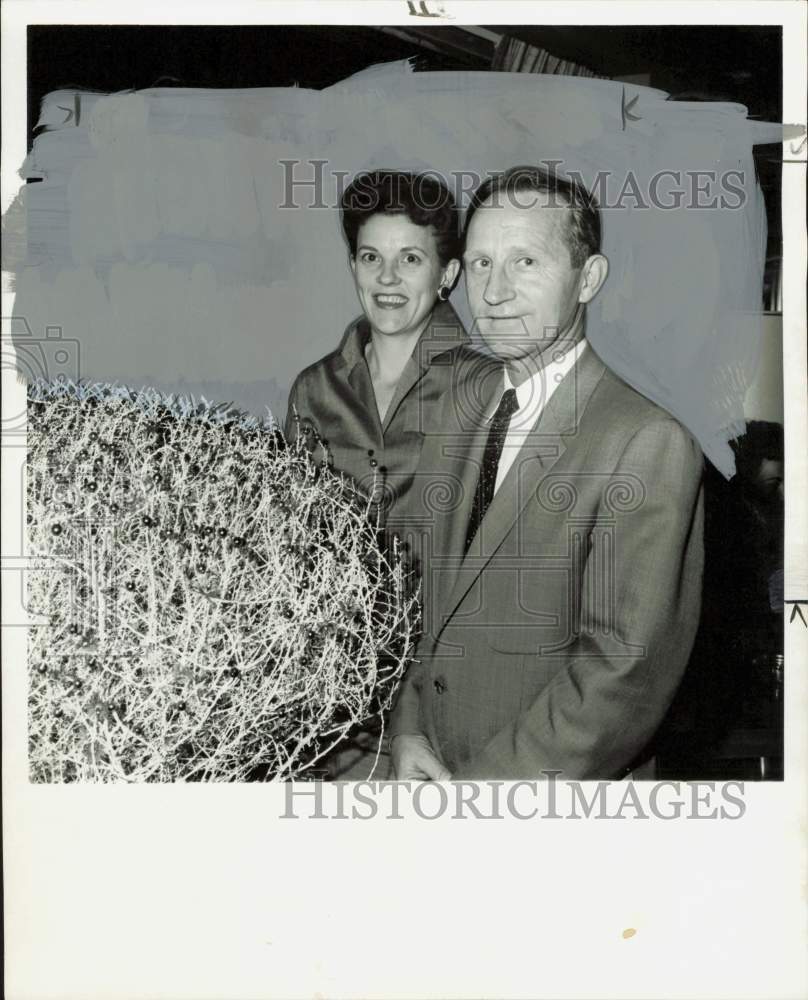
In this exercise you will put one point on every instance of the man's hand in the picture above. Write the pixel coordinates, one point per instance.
(415, 760)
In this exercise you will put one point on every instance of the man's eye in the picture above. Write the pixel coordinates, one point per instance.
(480, 264)
(527, 261)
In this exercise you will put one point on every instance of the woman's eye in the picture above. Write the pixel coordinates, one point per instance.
(527, 261)
(368, 257)
(411, 258)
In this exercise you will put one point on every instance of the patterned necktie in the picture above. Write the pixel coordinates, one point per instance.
(488, 473)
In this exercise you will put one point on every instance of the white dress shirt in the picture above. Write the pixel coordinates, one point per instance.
(533, 395)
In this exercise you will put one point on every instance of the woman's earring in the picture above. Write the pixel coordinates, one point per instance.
(443, 293)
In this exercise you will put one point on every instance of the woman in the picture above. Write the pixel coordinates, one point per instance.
(366, 406)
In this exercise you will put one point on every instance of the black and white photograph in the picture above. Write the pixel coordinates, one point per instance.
(404, 423)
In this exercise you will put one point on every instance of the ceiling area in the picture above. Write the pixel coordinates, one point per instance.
(739, 63)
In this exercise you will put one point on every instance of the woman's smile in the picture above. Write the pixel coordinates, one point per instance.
(385, 300)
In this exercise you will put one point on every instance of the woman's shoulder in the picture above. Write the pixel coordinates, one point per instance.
(317, 369)
(322, 368)
(310, 388)
(469, 380)
(469, 363)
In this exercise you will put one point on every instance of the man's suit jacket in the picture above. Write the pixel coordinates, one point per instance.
(558, 642)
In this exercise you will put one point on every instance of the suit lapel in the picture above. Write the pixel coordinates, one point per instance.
(450, 461)
(465, 459)
(541, 450)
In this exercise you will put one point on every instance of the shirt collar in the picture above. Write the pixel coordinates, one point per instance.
(535, 392)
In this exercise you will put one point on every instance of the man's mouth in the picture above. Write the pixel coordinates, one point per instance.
(390, 301)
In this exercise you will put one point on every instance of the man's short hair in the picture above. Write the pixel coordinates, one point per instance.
(583, 225)
(423, 198)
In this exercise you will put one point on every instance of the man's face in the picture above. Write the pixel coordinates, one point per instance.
(522, 287)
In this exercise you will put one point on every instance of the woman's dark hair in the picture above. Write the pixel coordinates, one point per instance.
(423, 198)
(583, 225)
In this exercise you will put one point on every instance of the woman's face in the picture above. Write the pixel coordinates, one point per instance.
(398, 273)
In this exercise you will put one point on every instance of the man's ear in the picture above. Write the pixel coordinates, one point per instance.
(593, 274)
(450, 273)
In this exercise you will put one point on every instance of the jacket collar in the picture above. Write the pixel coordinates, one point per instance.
(443, 332)
(561, 357)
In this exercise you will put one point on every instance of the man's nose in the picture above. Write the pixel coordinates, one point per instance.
(497, 289)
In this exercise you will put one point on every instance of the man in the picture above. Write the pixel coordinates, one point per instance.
(562, 588)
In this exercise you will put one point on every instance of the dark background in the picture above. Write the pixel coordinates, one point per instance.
(738, 63)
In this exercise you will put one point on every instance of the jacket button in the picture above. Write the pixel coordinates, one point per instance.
(440, 684)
